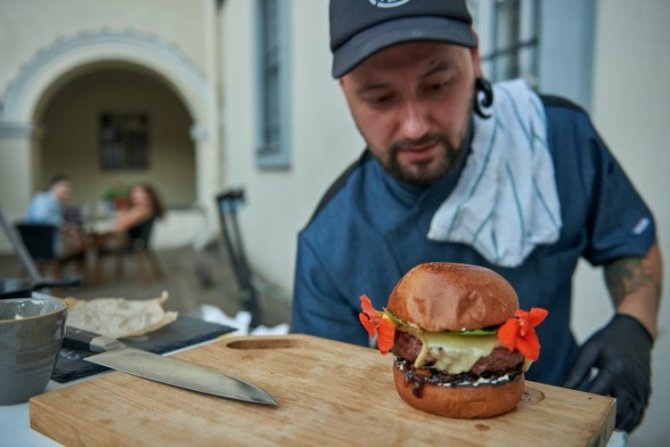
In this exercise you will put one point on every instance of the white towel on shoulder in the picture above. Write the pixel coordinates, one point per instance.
(505, 202)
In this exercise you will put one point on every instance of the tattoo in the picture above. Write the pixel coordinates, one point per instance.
(625, 276)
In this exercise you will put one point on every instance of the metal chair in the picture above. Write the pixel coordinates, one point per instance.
(139, 238)
(16, 242)
(15, 288)
(40, 241)
(228, 203)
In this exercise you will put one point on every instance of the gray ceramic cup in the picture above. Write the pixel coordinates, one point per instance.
(31, 335)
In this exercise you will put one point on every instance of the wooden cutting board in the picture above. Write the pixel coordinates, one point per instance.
(329, 394)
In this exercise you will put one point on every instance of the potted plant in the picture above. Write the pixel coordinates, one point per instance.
(117, 196)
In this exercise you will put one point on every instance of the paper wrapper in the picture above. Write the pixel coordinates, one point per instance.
(119, 317)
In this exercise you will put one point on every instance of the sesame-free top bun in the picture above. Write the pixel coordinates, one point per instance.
(445, 296)
(463, 401)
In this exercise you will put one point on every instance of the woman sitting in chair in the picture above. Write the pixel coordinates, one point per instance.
(135, 221)
(132, 227)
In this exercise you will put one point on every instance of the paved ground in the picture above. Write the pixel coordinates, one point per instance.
(191, 279)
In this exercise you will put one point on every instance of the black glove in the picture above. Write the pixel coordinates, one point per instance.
(621, 353)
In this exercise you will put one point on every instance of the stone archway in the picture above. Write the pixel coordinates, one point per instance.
(55, 65)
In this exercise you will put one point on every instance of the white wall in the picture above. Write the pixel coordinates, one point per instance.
(631, 109)
(324, 141)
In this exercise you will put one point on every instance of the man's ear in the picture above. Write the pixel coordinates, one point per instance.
(474, 55)
(341, 82)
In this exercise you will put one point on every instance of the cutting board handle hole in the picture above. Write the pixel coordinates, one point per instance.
(263, 343)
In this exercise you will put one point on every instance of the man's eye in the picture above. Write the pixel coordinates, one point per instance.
(437, 86)
(380, 100)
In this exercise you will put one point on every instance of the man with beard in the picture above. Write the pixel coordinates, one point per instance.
(456, 170)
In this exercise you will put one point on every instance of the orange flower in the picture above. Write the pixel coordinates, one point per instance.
(386, 338)
(377, 324)
(519, 332)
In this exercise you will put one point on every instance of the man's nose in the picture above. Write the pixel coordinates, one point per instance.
(414, 120)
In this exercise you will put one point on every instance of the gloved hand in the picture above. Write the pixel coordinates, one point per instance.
(621, 353)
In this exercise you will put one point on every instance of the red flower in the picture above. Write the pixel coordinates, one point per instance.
(519, 332)
(377, 324)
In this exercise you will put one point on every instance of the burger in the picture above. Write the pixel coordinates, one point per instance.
(461, 342)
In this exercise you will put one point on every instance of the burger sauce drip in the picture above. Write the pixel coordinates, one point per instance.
(417, 380)
(417, 385)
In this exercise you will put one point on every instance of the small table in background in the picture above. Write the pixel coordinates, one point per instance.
(100, 231)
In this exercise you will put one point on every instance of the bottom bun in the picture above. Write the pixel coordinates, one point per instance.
(465, 402)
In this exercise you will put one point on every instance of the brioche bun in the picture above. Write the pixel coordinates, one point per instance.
(465, 402)
(445, 296)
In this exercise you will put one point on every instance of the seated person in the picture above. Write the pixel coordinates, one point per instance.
(135, 221)
(132, 227)
(46, 207)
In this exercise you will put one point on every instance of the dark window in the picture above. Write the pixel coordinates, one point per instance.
(272, 149)
(124, 140)
(513, 50)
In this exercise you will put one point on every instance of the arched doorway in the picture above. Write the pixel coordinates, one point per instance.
(71, 137)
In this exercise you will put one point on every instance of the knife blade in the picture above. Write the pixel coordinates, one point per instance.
(147, 365)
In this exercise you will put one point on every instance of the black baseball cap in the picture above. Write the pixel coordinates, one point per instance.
(360, 28)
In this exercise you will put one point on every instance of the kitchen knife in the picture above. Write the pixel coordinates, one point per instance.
(147, 365)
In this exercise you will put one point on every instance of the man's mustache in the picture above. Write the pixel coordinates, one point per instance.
(426, 140)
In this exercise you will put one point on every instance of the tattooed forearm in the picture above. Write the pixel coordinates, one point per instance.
(626, 276)
(634, 284)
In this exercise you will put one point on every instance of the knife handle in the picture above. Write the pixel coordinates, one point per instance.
(80, 339)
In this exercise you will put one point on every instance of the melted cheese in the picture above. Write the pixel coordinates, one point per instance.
(454, 353)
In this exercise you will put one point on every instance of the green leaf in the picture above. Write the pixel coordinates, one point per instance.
(484, 331)
(490, 330)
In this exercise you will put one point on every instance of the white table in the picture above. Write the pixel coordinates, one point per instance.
(15, 424)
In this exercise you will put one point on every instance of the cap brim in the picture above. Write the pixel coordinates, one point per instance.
(384, 35)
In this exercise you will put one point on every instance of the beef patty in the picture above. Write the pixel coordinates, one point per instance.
(408, 347)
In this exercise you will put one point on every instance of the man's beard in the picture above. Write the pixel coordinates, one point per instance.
(423, 173)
